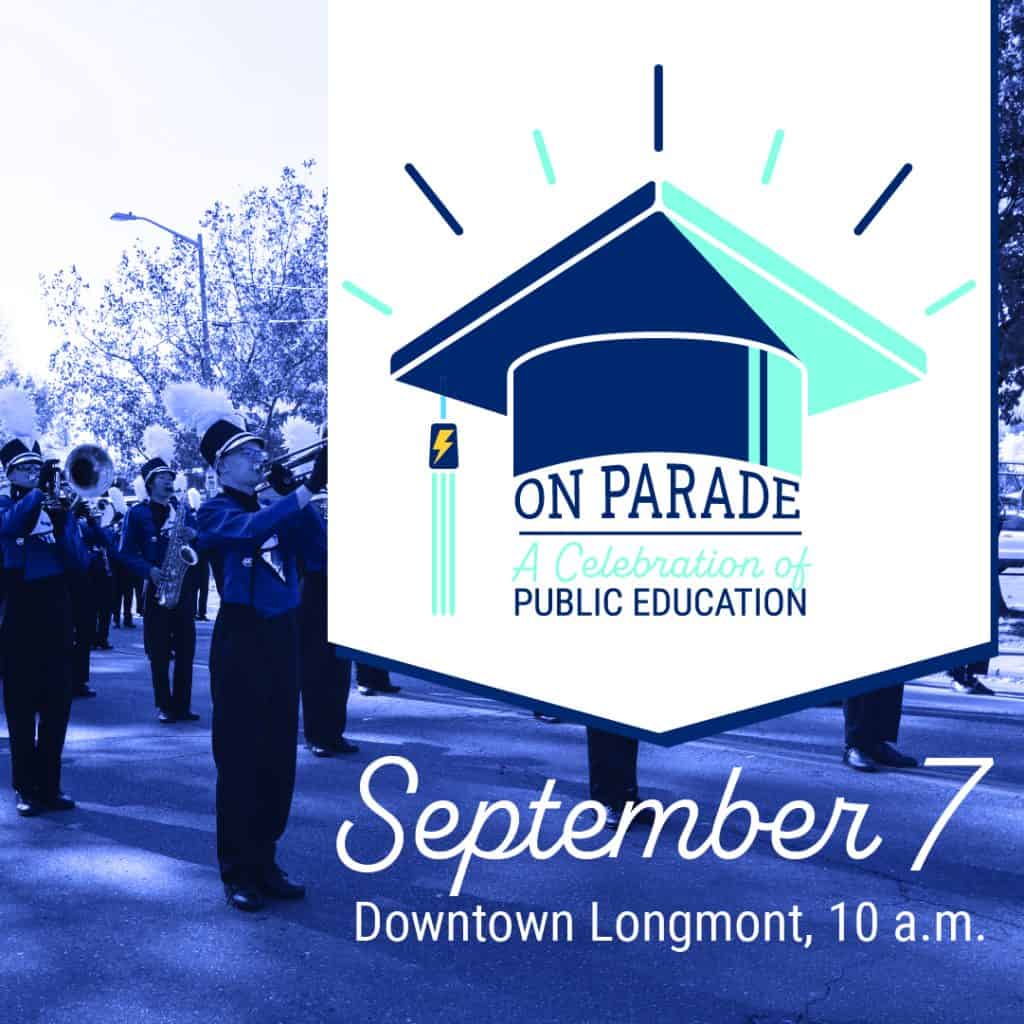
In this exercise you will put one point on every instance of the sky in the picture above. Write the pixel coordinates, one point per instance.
(145, 106)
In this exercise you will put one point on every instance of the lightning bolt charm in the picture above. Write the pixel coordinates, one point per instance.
(442, 442)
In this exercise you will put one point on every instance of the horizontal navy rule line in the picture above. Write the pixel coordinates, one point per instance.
(661, 533)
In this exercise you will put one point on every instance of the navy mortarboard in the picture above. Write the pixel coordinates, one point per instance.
(658, 326)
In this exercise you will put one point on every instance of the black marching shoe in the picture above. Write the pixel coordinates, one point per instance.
(972, 685)
(104, 645)
(887, 754)
(386, 689)
(644, 818)
(244, 897)
(188, 716)
(343, 746)
(166, 717)
(858, 760)
(277, 886)
(83, 691)
(60, 802)
(26, 805)
(318, 751)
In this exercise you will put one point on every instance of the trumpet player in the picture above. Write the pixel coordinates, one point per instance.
(254, 652)
(168, 632)
(42, 551)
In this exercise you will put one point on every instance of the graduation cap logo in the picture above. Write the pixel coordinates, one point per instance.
(659, 327)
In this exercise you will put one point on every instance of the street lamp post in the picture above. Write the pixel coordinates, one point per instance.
(197, 244)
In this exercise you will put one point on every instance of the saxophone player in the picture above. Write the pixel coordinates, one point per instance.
(167, 632)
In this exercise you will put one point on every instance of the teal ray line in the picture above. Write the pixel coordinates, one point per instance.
(773, 155)
(545, 159)
(451, 544)
(433, 545)
(354, 289)
(956, 293)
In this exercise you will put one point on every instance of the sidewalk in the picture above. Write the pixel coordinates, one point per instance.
(114, 912)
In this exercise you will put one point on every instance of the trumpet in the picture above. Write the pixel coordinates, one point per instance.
(291, 462)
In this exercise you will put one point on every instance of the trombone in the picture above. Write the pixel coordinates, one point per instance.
(292, 460)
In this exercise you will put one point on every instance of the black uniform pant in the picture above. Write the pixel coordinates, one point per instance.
(170, 632)
(873, 718)
(124, 587)
(611, 759)
(324, 677)
(255, 689)
(83, 619)
(102, 583)
(37, 646)
(202, 571)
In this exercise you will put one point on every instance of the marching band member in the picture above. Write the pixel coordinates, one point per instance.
(124, 579)
(83, 613)
(168, 632)
(99, 536)
(254, 650)
(324, 678)
(202, 570)
(42, 550)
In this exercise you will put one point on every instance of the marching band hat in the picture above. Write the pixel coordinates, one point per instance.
(18, 415)
(158, 444)
(209, 412)
(659, 326)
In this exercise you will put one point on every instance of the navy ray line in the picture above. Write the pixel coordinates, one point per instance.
(433, 199)
(659, 108)
(887, 194)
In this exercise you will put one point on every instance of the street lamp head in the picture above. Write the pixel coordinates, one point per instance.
(123, 216)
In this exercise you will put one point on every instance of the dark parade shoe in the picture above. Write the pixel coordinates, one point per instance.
(543, 716)
(166, 717)
(277, 887)
(642, 819)
(128, 624)
(60, 802)
(246, 898)
(317, 751)
(856, 759)
(972, 685)
(343, 746)
(83, 691)
(379, 691)
(188, 716)
(887, 754)
(104, 645)
(26, 805)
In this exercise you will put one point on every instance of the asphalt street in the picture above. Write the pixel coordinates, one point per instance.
(114, 912)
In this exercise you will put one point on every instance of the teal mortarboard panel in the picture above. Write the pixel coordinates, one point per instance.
(849, 355)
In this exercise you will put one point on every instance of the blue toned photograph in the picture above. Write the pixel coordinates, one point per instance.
(221, 800)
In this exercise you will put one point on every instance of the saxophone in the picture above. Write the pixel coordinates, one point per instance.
(179, 559)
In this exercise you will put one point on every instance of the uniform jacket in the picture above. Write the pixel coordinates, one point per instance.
(30, 546)
(143, 546)
(254, 552)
